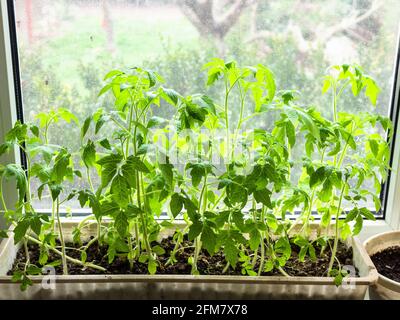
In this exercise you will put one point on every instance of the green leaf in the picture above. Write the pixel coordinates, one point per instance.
(155, 121)
(18, 133)
(290, 133)
(209, 239)
(105, 144)
(3, 234)
(176, 204)
(121, 224)
(133, 211)
(352, 215)
(119, 190)
(372, 91)
(255, 239)
(358, 225)
(302, 253)
(166, 170)
(373, 145)
(367, 214)
(109, 168)
(36, 224)
(231, 252)
(89, 154)
(309, 123)
(326, 218)
(112, 74)
(137, 164)
(195, 112)
(171, 96)
(195, 229)
(197, 172)
(61, 166)
(15, 171)
(100, 123)
(67, 115)
(83, 256)
(55, 190)
(158, 250)
(152, 266)
(105, 89)
(264, 197)
(326, 86)
(317, 177)
(85, 127)
(377, 202)
(20, 230)
(35, 130)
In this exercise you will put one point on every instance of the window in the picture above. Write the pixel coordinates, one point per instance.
(66, 47)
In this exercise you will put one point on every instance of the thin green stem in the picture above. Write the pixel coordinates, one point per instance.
(3, 202)
(61, 234)
(75, 261)
(335, 244)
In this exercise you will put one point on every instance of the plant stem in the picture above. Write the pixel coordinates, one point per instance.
(2, 196)
(130, 245)
(197, 248)
(283, 272)
(80, 225)
(262, 257)
(137, 239)
(142, 217)
(202, 209)
(227, 119)
(61, 234)
(27, 257)
(335, 244)
(53, 217)
(226, 268)
(75, 261)
(255, 221)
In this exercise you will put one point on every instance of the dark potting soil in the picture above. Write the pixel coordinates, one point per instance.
(387, 262)
(207, 265)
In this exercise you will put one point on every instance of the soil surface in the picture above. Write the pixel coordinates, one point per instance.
(388, 263)
(207, 265)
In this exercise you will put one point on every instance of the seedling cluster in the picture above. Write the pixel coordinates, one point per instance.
(292, 160)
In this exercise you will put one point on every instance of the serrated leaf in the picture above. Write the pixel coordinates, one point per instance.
(367, 214)
(152, 266)
(158, 250)
(105, 144)
(176, 204)
(166, 170)
(264, 197)
(85, 127)
(195, 229)
(209, 239)
(121, 224)
(89, 154)
(231, 252)
(20, 230)
(119, 190)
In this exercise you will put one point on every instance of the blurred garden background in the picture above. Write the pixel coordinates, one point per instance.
(67, 46)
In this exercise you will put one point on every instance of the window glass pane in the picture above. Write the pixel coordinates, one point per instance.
(66, 48)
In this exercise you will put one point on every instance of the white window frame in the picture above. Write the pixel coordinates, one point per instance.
(8, 116)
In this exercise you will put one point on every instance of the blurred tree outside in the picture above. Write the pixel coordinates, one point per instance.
(66, 47)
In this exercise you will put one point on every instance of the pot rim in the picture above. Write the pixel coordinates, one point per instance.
(383, 278)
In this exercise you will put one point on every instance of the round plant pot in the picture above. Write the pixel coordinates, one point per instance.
(384, 288)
